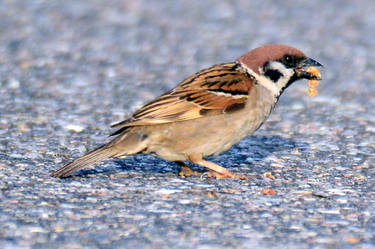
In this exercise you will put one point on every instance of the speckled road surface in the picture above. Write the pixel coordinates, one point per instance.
(68, 69)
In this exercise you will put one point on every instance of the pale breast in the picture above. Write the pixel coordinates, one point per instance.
(209, 135)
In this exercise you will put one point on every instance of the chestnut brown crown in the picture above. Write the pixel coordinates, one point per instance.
(256, 58)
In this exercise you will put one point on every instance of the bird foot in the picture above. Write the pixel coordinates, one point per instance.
(187, 172)
(217, 175)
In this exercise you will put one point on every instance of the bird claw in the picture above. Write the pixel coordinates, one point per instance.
(187, 172)
(217, 175)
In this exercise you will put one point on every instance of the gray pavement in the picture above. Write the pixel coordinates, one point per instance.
(68, 69)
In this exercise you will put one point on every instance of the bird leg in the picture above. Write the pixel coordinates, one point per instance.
(215, 170)
(186, 171)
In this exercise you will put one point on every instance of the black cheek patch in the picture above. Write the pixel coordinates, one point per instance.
(273, 75)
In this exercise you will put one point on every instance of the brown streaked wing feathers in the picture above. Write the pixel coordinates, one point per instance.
(215, 88)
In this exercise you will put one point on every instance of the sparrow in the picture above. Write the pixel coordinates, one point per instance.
(207, 113)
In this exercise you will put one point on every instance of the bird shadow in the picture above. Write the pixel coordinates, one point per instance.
(249, 151)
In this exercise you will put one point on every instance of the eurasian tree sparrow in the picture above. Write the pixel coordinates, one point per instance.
(206, 113)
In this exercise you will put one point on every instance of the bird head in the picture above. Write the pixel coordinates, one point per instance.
(277, 66)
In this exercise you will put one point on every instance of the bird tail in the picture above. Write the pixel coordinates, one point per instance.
(85, 161)
(125, 144)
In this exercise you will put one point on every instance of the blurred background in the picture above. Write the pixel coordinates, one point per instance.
(69, 69)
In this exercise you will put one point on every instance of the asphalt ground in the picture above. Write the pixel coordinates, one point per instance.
(69, 69)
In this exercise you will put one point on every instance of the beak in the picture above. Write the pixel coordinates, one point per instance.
(302, 71)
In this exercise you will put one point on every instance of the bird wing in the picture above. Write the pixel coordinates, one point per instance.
(222, 88)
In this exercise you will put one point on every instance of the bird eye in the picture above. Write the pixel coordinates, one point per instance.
(288, 59)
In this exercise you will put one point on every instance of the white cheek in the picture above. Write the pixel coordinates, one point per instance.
(288, 73)
(269, 84)
(264, 81)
